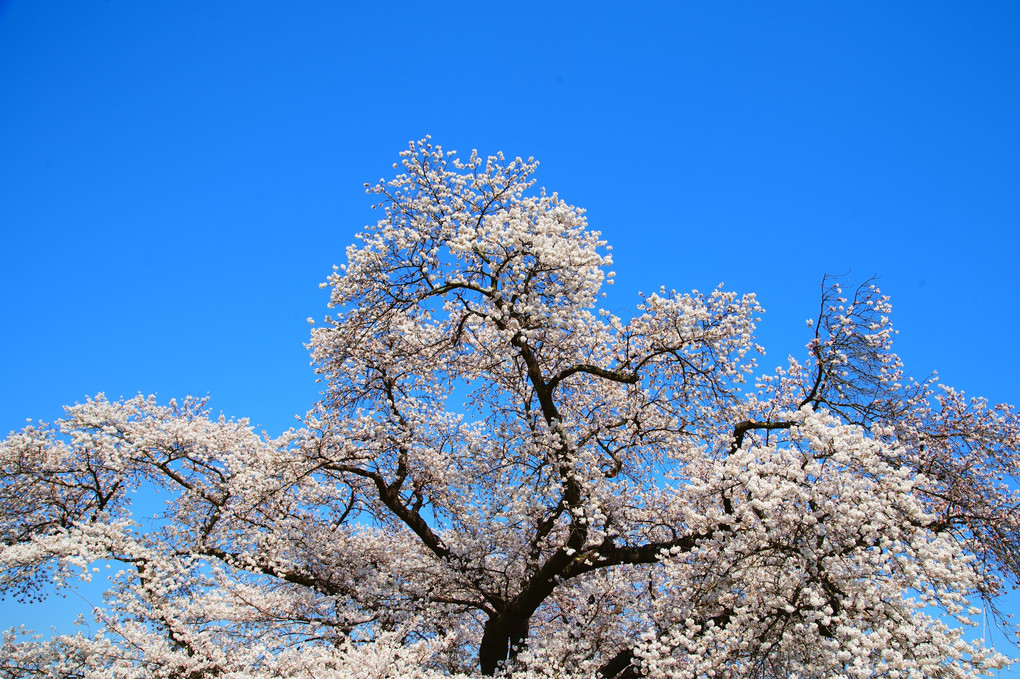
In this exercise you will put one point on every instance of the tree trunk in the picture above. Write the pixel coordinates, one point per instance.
(504, 637)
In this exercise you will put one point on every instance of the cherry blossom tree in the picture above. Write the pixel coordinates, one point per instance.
(503, 478)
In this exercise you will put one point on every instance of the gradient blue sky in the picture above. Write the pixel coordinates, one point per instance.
(176, 178)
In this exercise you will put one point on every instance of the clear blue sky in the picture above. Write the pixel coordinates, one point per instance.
(177, 178)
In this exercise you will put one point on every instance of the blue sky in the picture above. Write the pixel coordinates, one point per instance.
(177, 178)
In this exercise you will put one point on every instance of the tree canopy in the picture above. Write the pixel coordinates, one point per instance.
(503, 478)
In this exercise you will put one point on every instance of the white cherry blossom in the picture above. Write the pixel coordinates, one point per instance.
(504, 478)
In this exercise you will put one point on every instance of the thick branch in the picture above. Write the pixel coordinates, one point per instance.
(390, 497)
(611, 375)
(620, 666)
(607, 554)
(747, 425)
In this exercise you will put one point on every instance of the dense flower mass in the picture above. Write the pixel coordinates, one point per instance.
(504, 479)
